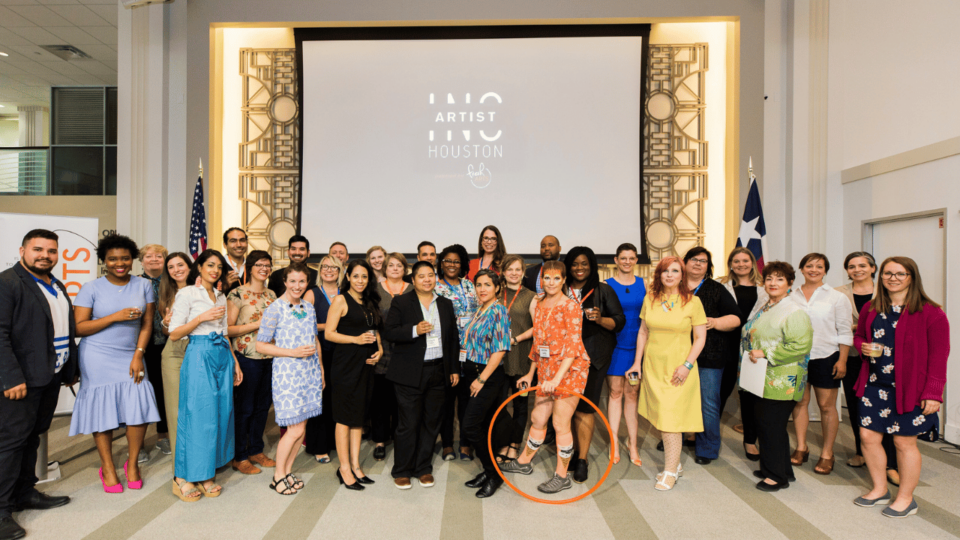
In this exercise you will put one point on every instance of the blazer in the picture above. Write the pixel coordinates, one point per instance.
(922, 346)
(406, 359)
(27, 354)
(847, 291)
(597, 340)
(530, 276)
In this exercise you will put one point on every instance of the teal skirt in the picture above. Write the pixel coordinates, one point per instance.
(205, 439)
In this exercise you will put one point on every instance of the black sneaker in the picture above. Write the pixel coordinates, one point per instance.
(580, 471)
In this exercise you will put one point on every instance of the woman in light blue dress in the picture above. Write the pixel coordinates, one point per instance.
(288, 333)
(205, 424)
(114, 317)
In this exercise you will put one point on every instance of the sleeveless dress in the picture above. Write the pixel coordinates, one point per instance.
(352, 377)
(631, 299)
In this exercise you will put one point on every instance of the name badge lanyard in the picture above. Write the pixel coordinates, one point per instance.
(581, 300)
(329, 303)
(393, 294)
(514, 297)
(544, 350)
(695, 291)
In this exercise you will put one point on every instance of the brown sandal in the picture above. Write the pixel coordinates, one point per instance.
(799, 458)
(824, 466)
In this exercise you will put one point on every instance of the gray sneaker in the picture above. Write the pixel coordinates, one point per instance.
(515, 466)
(555, 484)
(143, 457)
(163, 445)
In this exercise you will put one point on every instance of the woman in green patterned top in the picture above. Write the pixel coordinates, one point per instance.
(779, 331)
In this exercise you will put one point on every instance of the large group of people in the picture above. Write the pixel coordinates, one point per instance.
(371, 348)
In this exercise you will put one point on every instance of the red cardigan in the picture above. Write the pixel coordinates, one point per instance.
(921, 344)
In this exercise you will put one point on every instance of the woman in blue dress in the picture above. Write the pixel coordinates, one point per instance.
(114, 317)
(623, 393)
(205, 424)
(288, 333)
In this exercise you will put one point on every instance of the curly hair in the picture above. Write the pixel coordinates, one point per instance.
(459, 251)
(116, 241)
(779, 268)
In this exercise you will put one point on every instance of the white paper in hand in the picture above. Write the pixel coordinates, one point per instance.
(753, 375)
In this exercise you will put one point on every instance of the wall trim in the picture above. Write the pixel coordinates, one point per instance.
(903, 160)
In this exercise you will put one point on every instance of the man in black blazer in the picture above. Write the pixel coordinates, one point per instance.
(426, 349)
(38, 353)
(549, 251)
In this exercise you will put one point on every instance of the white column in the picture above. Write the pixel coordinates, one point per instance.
(150, 84)
(33, 125)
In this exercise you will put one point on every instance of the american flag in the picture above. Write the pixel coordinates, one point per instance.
(753, 231)
(198, 222)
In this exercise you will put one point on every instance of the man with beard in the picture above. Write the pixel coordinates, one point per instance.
(235, 243)
(37, 354)
(549, 251)
(298, 249)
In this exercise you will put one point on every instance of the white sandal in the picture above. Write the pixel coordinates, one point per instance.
(661, 479)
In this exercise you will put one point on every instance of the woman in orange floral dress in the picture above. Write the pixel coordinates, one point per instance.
(252, 399)
(561, 364)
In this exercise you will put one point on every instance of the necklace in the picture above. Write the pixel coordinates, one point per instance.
(298, 310)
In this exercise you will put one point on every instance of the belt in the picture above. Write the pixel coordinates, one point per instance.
(434, 362)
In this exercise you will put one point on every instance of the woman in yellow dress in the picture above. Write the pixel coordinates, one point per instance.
(668, 400)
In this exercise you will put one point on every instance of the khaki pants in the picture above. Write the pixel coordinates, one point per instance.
(170, 363)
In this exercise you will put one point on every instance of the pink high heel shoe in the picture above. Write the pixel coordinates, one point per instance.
(135, 484)
(118, 488)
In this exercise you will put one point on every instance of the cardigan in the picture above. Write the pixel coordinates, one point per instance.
(922, 345)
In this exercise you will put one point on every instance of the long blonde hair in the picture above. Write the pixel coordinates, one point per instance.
(732, 278)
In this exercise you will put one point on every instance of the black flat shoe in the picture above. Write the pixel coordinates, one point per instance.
(10, 530)
(660, 446)
(489, 487)
(477, 481)
(41, 501)
(769, 488)
(380, 453)
(580, 471)
(354, 486)
(760, 475)
(751, 457)
(366, 480)
(702, 460)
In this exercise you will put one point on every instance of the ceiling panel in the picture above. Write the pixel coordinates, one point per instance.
(8, 38)
(9, 18)
(73, 36)
(95, 68)
(107, 13)
(102, 53)
(58, 2)
(106, 34)
(113, 3)
(18, 2)
(34, 52)
(81, 16)
(42, 15)
(39, 36)
(65, 68)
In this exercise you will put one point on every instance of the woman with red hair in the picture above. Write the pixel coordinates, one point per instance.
(671, 403)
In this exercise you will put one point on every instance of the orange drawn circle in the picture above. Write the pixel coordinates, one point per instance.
(537, 499)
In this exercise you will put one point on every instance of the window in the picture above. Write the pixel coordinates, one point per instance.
(84, 141)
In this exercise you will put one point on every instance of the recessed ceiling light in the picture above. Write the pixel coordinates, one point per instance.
(4, 54)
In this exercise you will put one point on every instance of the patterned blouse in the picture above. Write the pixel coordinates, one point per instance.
(251, 305)
(488, 333)
(464, 298)
(784, 334)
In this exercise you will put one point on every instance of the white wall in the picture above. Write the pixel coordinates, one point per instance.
(9, 132)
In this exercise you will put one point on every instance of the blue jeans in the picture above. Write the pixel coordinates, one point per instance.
(708, 441)
(252, 400)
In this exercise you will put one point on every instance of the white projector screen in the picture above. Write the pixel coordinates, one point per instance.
(410, 140)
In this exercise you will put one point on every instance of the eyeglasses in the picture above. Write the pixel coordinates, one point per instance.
(263, 266)
(900, 276)
(451, 262)
(326, 267)
(699, 261)
(485, 239)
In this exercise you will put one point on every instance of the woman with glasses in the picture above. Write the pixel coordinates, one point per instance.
(353, 323)
(904, 340)
(490, 251)
(454, 286)
(252, 399)
(831, 316)
(320, 438)
(376, 256)
(383, 407)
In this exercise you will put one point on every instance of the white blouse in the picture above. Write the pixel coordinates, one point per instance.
(191, 302)
(831, 316)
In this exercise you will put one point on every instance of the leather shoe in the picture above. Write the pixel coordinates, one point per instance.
(262, 460)
(426, 480)
(760, 475)
(402, 483)
(245, 467)
(380, 453)
(41, 501)
(489, 487)
(10, 530)
(764, 486)
(580, 471)
(702, 460)
(477, 481)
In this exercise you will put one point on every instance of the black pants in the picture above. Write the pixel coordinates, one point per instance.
(420, 411)
(320, 434)
(455, 405)
(728, 382)
(151, 359)
(383, 410)
(854, 364)
(772, 416)
(479, 414)
(521, 410)
(748, 403)
(252, 400)
(21, 424)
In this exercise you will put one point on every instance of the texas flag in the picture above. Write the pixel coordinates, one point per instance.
(753, 232)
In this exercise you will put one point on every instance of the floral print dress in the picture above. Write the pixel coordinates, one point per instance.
(560, 329)
(878, 406)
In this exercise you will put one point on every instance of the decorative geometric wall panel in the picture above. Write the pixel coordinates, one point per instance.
(675, 149)
(269, 148)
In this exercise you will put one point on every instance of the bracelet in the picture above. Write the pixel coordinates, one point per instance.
(481, 380)
(688, 365)
(141, 350)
